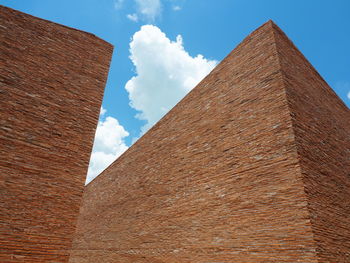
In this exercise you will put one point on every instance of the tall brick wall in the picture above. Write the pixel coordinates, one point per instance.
(321, 124)
(251, 166)
(51, 85)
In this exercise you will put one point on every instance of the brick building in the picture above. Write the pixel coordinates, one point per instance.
(251, 166)
(51, 86)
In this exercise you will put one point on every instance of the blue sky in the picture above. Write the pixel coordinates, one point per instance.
(138, 75)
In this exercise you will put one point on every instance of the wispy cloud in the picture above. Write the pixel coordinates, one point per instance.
(118, 4)
(149, 10)
(133, 17)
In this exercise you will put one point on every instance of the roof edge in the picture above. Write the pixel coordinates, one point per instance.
(58, 24)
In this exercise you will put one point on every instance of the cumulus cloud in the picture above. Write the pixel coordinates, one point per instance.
(133, 17)
(109, 144)
(149, 9)
(349, 95)
(165, 73)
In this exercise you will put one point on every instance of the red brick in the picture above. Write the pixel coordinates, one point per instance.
(321, 124)
(251, 166)
(51, 86)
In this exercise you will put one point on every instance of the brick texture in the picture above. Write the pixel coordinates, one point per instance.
(321, 124)
(251, 166)
(51, 85)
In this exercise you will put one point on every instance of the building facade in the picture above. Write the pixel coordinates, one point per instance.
(251, 166)
(51, 86)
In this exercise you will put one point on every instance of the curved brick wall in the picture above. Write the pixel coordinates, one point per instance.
(51, 86)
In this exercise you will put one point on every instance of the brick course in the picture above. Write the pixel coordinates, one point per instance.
(251, 166)
(51, 86)
(321, 124)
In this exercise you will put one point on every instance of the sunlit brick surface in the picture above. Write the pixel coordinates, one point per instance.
(251, 166)
(321, 124)
(51, 86)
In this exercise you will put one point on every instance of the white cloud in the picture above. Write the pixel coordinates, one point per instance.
(146, 10)
(102, 111)
(118, 4)
(165, 73)
(109, 144)
(349, 95)
(133, 17)
(149, 9)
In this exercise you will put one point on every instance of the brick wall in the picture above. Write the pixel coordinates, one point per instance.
(51, 85)
(248, 167)
(321, 124)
